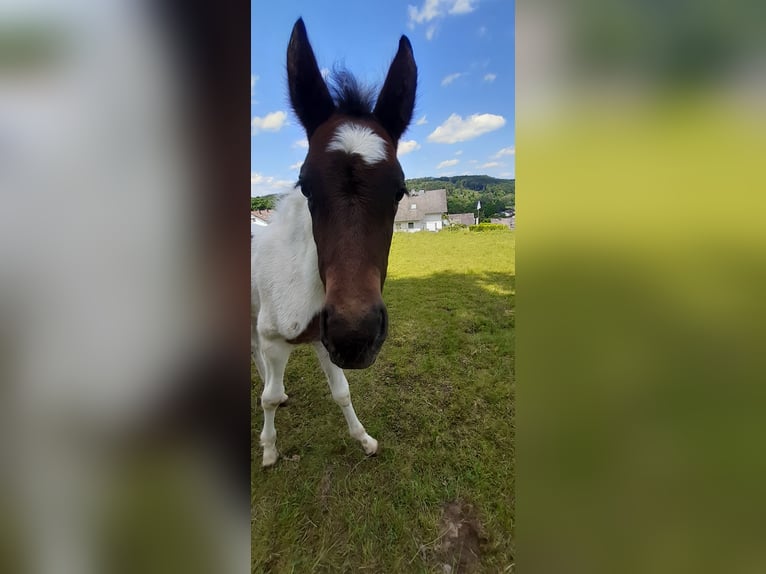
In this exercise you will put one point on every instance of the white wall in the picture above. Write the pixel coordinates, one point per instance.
(431, 222)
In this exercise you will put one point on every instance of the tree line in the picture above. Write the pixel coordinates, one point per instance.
(263, 202)
(463, 192)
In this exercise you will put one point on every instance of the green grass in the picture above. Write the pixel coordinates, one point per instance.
(439, 399)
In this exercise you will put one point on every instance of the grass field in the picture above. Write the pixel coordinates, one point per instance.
(439, 399)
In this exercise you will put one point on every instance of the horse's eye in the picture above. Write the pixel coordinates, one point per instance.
(400, 195)
(305, 191)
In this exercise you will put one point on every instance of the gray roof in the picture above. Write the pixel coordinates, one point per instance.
(427, 202)
(263, 214)
(464, 218)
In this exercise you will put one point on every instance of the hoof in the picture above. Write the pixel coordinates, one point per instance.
(270, 456)
(370, 445)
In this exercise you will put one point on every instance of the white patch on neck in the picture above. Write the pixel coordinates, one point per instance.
(353, 138)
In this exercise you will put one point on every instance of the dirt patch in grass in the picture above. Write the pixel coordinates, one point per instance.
(459, 550)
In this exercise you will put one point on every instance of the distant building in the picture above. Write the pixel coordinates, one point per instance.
(509, 222)
(462, 218)
(421, 211)
(260, 217)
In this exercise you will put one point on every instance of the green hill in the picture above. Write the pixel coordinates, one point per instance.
(464, 191)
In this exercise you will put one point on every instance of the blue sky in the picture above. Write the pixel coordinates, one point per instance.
(464, 119)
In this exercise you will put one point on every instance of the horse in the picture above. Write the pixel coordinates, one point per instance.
(318, 269)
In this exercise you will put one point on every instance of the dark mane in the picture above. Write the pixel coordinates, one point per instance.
(350, 96)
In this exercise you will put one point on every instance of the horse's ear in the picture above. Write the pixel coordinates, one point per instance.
(309, 95)
(397, 98)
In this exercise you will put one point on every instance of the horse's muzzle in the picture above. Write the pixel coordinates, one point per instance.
(353, 341)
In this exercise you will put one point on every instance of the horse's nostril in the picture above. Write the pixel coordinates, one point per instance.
(383, 323)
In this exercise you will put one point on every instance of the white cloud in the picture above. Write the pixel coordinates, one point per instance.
(406, 147)
(325, 72)
(463, 6)
(448, 163)
(432, 9)
(430, 31)
(297, 165)
(505, 174)
(456, 129)
(304, 143)
(447, 80)
(459, 152)
(490, 77)
(421, 121)
(491, 164)
(264, 185)
(272, 122)
(505, 151)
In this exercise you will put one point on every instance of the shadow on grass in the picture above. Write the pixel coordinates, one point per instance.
(440, 400)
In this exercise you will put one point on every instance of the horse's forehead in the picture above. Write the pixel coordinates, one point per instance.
(353, 137)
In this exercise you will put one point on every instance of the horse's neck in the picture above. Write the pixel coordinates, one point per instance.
(285, 268)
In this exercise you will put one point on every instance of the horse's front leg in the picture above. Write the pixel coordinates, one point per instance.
(342, 396)
(274, 355)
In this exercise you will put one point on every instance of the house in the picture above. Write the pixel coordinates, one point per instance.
(509, 222)
(422, 210)
(260, 217)
(462, 218)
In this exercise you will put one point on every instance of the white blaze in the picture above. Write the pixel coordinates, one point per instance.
(353, 138)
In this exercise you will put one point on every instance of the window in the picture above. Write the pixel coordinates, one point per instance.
(411, 225)
(413, 206)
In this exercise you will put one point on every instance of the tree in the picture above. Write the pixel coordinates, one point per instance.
(264, 202)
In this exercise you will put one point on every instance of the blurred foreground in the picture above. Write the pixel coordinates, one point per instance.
(642, 269)
(124, 362)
